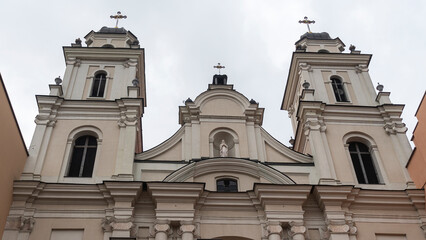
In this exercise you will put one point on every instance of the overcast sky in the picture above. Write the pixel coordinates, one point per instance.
(184, 39)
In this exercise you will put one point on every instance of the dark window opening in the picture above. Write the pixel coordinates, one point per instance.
(98, 87)
(363, 163)
(83, 157)
(323, 51)
(339, 91)
(227, 185)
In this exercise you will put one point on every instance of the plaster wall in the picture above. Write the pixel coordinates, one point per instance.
(79, 80)
(44, 226)
(240, 230)
(57, 159)
(387, 163)
(370, 230)
(13, 154)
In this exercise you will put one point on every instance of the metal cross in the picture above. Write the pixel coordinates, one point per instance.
(307, 22)
(219, 67)
(118, 17)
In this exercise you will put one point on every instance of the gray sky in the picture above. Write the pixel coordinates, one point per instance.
(184, 39)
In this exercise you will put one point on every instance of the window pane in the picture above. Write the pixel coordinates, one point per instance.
(102, 88)
(338, 90)
(358, 168)
(92, 141)
(227, 185)
(369, 168)
(352, 147)
(77, 156)
(98, 87)
(81, 141)
(89, 162)
(95, 88)
(363, 148)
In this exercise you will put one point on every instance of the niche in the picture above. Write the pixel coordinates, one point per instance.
(229, 138)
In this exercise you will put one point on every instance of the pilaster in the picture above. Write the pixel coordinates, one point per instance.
(175, 201)
(46, 119)
(282, 203)
(332, 200)
(130, 113)
(124, 195)
(310, 114)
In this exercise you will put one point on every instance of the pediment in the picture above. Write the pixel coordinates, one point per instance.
(229, 166)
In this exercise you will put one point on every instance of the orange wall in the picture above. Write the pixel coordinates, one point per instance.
(417, 163)
(13, 154)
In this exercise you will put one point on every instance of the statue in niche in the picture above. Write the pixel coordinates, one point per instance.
(223, 149)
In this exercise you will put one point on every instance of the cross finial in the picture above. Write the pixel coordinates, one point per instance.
(307, 22)
(118, 17)
(219, 67)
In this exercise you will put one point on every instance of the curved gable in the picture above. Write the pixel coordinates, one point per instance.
(222, 106)
(216, 167)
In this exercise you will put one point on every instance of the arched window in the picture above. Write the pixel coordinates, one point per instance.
(108, 46)
(363, 163)
(98, 86)
(226, 185)
(323, 51)
(339, 91)
(83, 157)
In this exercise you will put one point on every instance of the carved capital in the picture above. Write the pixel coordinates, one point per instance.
(274, 228)
(26, 224)
(314, 125)
(297, 228)
(110, 224)
(423, 227)
(106, 224)
(394, 128)
(162, 227)
(305, 67)
(361, 68)
(290, 111)
(187, 228)
(338, 228)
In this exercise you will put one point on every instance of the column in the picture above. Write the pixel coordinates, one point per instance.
(162, 230)
(297, 230)
(338, 230)
(187, 230)
(274, 231)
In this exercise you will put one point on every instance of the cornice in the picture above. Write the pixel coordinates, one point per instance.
(162, 147)
(308, 59)
(248, 167)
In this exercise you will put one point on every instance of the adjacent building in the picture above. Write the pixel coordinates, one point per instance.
(417, 164)
(13, 153)
(221, 175)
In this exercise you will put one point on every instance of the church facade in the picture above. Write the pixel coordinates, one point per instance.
(221, 175)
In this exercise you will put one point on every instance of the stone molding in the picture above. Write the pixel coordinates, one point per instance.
(191, 111)
(297, 228)
(361, 68)
(247, 167)
(274, 228)
(22, 224)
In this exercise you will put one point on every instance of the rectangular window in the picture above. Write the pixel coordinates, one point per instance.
(67, 234)
(98, 86)
(391, 237)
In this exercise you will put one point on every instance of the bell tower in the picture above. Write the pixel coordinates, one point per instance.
(89, 126)
(355, 135)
